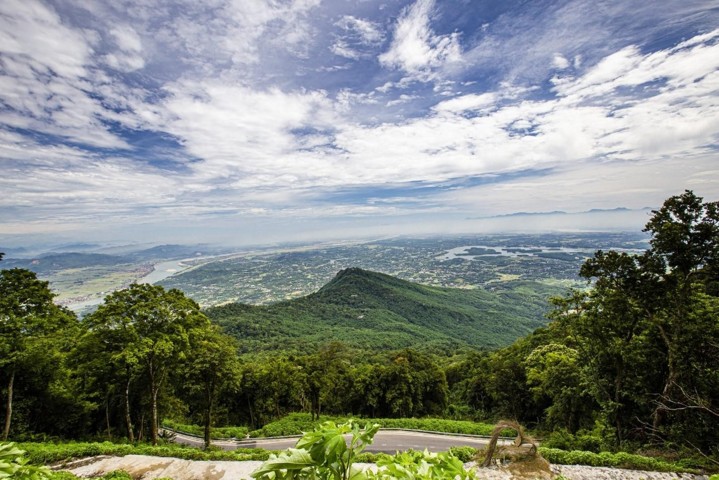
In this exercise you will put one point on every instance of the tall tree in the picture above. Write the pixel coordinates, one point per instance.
(148, 330)
(212, 367)
(685, 255)
(27, 317)
(647, 331)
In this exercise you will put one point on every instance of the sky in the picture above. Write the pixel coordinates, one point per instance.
(258, 121)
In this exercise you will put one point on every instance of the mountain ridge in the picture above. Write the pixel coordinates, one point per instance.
(376, 311)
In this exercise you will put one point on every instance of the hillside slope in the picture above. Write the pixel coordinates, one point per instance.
(375, 311)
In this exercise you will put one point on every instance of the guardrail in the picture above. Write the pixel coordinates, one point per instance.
(254, 439)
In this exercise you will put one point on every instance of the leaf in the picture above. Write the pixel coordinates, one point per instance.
(292, 459)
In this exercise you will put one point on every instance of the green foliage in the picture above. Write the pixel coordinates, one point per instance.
(117, 475)
(582, 440)
(324, 454)
(464, 454)
(62, 475)
(607, 459)
(14, 465)
(46, 453)
(421, 465)
(373, 311)
(218, 433)
(32, 338)
(298, 423)
(143, 334)
(211, 368)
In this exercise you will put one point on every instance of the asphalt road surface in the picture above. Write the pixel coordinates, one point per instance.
(387, 441)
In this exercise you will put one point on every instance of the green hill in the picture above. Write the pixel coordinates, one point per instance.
(379, 312)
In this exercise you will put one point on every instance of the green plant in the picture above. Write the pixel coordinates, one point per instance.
(322, 454)
(325, 455)
(465, 454)
(608, 459)
(117, 475)
(421, 466)
(13, 464)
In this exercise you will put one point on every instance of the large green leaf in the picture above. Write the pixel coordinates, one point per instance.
(293, 460)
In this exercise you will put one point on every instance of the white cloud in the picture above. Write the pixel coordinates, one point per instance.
(239, 132)
(47, 76)
(341, 48)
(415, 48)
(560, 62)
(357, 39)
(128, 57)
(631, 125)
(468, 102)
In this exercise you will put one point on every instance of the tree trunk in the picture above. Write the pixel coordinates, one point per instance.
(208, 418)
(128, 418)
(107, 415)
(252, 416)
(670, 382)
(8, 406)
(618, 385)
(153, 426)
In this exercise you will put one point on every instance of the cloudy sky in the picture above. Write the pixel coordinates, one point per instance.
(262, 120)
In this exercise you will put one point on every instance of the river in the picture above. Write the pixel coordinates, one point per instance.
(159, 272)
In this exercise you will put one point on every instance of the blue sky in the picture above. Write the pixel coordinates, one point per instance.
(254, 121)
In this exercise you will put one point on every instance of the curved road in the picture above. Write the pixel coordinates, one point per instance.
(386, 441)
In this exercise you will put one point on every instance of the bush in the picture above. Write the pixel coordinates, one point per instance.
(583, 440)
(324, 454)
(608, 459)
(14, 464)
(44, 453)
(465, 454)
(217, 433)
(117, 475)
(297, 423)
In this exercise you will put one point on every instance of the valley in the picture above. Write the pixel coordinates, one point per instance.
(216, 275)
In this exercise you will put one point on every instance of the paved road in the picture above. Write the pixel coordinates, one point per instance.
(387, 441)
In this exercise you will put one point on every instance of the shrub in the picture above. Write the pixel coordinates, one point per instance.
(323, 454)
(583, 440)
(117, 475)
(297, 423)
(465, 454)
(13, 464)
(608, 459)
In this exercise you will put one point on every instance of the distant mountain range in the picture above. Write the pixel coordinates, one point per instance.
(55, 261)
(560, 212)
(375, 311)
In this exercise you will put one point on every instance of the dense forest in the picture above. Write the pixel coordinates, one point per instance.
(631, 361)
(376, 312)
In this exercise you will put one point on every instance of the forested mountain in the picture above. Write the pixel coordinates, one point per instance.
(375, 311)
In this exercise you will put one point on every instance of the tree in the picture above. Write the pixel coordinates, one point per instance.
(553, 370)
(646, 331)
(28, 317)
(212, 366)
(685, 255)
(147, 330)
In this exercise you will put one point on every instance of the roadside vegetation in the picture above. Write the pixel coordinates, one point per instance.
(628, 365)
(299, 423)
